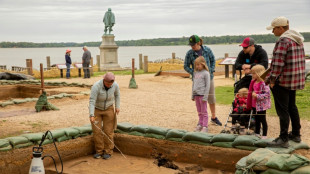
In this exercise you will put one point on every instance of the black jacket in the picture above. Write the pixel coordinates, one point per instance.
(259, 57)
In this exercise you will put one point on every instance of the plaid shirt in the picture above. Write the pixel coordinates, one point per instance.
(191, 55)
(288, 64)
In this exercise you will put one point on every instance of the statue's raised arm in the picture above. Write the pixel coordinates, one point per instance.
(109, 21)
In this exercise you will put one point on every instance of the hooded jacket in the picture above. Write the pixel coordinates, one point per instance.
(259, 57)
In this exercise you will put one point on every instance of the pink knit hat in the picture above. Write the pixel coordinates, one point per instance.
(109, 77)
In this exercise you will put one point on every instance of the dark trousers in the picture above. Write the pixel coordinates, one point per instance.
(243, 119)
(68, 70)
(260, 119)
(285, 103)
(86, 70)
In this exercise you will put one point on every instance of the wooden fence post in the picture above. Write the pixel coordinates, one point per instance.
(48, 62)
(92, 66)
(29, 66)
(140, 62)
(173, 57)
(98, 62)
(145, 64)
(226, 68)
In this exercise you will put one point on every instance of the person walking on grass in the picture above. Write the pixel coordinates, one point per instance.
(200, 92)
(259, 100)
(104, 95)
(197, 49)
(287, 74)
(68, 63)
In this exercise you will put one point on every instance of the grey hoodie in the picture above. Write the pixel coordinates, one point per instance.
(201, 84)
(294, 35)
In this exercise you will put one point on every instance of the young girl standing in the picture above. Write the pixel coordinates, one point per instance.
(200, 92)
(259, 99)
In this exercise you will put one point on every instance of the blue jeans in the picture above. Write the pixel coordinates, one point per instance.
(68, 70)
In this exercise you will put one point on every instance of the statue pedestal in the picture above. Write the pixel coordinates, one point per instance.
(108, 54)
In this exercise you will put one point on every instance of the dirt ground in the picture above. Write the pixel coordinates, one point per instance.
(163, 101)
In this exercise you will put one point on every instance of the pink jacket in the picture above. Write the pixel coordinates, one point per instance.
(263, 101)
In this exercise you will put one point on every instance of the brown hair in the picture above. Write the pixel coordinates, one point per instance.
(201, 60)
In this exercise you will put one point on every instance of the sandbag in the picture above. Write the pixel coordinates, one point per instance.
(241, 164)
(17, 140)
(139, 128)
(259, 158)
(286, 162)
(274, 171)
(33, 136)
(223, 144)
(302, 170)
(23, 145)
(150, 135)
(175, 139)
(175, 133)
(19, 101)
(6, 103)
(198, 136)
(71, 132)
(7, 148)
(157, 130)
(263, 142)
(46, 141)
(136, 133)
(63, 138)
(297, 146)
(224, 137)
(250, 148)
(124, 126)
(281, 150)
(4, 143)
(200, 143)
(84, 129)
(56, 134)
(120, 131)
(245, 140)
(80, 135)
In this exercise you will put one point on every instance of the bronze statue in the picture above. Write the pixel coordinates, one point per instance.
(109, 21)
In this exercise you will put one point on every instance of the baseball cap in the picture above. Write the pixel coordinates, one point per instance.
(278, 22)
(193, 40)
(247, 42)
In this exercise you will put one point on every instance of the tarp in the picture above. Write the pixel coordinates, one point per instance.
(14, 76)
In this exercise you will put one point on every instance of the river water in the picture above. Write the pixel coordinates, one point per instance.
(18, 56)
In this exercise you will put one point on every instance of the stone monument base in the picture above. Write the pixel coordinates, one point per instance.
(108, 54)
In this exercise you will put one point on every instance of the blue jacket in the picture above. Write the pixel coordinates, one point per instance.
(68, 59)
(191, 55)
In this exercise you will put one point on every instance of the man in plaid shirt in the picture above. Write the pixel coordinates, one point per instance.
(287, 74)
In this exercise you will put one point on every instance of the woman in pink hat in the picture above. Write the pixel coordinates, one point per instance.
(68, 63)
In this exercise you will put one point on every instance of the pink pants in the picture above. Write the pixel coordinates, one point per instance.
(202, 111)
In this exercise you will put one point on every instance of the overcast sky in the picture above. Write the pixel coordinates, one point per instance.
(81, 20)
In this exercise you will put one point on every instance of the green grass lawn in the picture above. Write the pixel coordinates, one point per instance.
(225, 95)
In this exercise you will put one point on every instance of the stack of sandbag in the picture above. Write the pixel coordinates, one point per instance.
(83, 131)
(5, 145)
(156, 132)
(138, 130)
(175, 135)
(19, 142)
(198, 138)
(245, 142)
(265, 161)
(123, 127)
(223, 140)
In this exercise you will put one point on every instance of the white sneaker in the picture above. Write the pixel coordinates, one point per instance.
(198, 128)
(204, 129)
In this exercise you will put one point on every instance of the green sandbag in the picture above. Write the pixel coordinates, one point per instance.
(83, 130)
(157, 130)
(150, 135)
(241, 164)
(7, 148)
(263, 142)
(175, 139)
(50, 97)
(197, 136)
(302, 170)
(80, 135)
(250, 148)
(175, 133)
(56, 134)
(200, 143)
(274, 171)
(4, 143)
(120, 131)
(33, 136)
(63, 138)
(136, 133)
(297, 146)
(281, 150)
(50, 106)
(139, 128)
(59, 96)
(259, 158)
(124, 126)
(71, 132)
(17, 140)
(46, 141)
(23, 145)
(223, 144)
(6, 103)
(224, 137)
(245, 140)
(286, 162)
(19, 101)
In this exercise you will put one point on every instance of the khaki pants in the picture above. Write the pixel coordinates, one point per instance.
(105, 121)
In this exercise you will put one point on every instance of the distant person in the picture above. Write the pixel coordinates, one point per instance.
(109, 21)
(259, 100)
(251, 55)
(104, 95)
(68, 63)
(86, 61)
(287, 74)
(200, 92)
(197, 49)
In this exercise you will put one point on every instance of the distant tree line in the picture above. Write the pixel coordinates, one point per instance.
(260, 38)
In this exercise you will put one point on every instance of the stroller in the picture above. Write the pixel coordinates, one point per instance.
(239, 114)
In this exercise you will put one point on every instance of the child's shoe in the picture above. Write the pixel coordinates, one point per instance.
(204, 130)
(198, 128)
(264, 137)
(216, 121)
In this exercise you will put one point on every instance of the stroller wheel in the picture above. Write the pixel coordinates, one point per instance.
(223, 131)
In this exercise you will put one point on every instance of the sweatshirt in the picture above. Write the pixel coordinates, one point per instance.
(201, 84)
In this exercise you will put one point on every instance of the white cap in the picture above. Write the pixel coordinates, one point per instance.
(278, 22)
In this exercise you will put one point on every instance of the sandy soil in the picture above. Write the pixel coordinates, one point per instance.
(163, 101)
